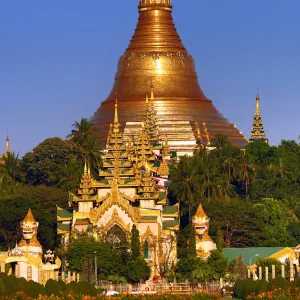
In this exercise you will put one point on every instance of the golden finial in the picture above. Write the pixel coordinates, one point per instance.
(147, 99)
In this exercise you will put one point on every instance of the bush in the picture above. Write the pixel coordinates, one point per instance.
(52, 287)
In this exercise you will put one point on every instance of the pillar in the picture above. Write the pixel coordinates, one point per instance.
(17, 271)
(249, 273)
(291, 270)
(267, 273)
(78, 277)
(63, 276)
(3, 267)
(283, 271)
(74, 276)
(40, 275)
(260, 273)
(273, 271)
(56, 275)
(29, 273)
(221, 283)
(69, 277)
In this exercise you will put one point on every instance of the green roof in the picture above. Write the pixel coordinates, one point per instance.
(161, 195)
(64, 213)
(170, 223)
(169, 210)
(173, 154)
(63, 227)
(250, 255)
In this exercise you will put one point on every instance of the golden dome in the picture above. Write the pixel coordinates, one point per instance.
(157, 57)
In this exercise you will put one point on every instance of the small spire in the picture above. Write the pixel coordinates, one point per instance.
(152, 90)
(85, 168)
(89, 169)
(116, 118)
(257, 108)
(207, 134)
(7, 143)
(147, 99)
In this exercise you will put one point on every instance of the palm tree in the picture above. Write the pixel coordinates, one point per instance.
(209, 176)
(71, 174)
(219, 141)
(10, 164)
(81, 132)
(184, 179)
(247, 172)
(93, 153)
(230, 163)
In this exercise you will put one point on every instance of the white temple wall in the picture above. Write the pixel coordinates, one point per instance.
(23, 269)
(35, 274)
(85, 206)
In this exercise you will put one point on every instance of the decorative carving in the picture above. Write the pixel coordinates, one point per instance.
(117, 199)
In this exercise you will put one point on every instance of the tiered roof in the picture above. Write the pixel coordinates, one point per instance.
(257, 126)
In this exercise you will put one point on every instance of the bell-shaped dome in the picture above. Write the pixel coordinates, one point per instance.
(157, 57)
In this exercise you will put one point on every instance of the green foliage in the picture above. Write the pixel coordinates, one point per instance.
(44, 165)
(136, 269)
(135, 243)
(52, 287)
(238, 268)
(42, 201)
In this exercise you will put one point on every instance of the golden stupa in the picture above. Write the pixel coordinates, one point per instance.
(157, 63)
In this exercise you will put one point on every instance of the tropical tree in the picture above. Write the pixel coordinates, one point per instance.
(230, 162)
(71, 174)
(83, 136)
(208, 170)
(81, 132)
(184, 180)
(45, 163)
(10, 165)
(247, 172)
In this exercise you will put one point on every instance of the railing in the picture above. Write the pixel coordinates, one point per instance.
(160, 288)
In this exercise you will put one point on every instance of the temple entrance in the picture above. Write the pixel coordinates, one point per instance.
(117, 237)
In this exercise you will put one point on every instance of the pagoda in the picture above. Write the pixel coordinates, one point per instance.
(257, 132)
(156, 57)
(131, 189)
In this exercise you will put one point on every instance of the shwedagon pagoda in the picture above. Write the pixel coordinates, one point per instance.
(157, 63)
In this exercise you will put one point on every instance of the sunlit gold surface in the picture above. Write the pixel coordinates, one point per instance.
(156, 56)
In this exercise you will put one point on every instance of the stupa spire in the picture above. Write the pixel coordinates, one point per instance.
(257, 132)
(116, 118)
(7, 143)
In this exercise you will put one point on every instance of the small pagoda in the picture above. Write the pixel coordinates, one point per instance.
(26, 259)
(257, 132)
(132, 189)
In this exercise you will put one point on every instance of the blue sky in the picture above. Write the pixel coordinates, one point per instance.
(58, 60)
